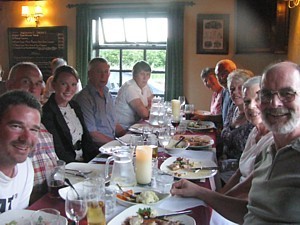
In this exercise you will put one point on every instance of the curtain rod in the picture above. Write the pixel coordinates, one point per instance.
(191, 3)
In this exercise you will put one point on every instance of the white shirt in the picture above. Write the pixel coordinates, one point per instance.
(251, 150)
(15, 192)
(129, 91)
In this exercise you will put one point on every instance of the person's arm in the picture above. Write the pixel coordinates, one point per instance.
(231, 208)
(234, 180)
(99, 138)
(119, 130)
(138, 106)
(241, 190)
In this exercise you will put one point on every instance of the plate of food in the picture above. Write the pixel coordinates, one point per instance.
(200, 125)
(202, 112)
(23, 217)
(114, 145)
(134, 215)
(137, 195)
(197, 141)
(183, 145)
(188, 168)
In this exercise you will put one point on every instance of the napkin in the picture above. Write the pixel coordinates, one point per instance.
(177, 203)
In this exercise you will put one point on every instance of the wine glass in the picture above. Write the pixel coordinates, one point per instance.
(182, 102)
(75, 207)
(164, 137)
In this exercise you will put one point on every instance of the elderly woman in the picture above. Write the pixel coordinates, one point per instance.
(236, 127)
(133, 101)
(258, 139)
(63, 118)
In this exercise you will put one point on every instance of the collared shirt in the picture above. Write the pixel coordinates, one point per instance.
(226, 104)
(129, 91)
(43, 155)
(216, 103)
(99, 112)
(275, 192)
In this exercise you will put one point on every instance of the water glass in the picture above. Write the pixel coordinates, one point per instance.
(55, 176)
(110, 200)
(164, 183)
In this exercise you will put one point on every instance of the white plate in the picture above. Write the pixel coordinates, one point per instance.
(202, 112)
(138, 128)
(20, 215)
(120, 218)
(182, 146)
(111, 146)
(140, 189)
(201, 125)
(208, 141)
(182, 173)
(63, 191)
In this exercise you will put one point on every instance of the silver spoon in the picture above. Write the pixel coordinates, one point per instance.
(180, 140)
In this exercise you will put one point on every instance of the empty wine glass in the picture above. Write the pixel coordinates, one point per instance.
(75, 207)
(182, 102)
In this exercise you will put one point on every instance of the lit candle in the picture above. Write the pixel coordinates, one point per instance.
(143, 164)
(176, 108)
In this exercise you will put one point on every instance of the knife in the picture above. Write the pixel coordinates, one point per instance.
(196, 169)
(76, 173)
(122, 142)
(170, 214)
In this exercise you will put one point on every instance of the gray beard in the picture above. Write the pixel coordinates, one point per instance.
(288, 127)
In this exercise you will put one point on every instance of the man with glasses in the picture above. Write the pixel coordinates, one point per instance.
(275, 191)
(27, 76)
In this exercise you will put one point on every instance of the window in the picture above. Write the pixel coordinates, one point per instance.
(126, 39)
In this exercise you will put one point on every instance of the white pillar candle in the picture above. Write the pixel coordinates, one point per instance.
(143, 164)
(176, 108)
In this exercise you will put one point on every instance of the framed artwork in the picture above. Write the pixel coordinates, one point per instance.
(212, 33)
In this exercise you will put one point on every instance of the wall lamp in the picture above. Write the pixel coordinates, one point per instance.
(293, 3)
(32, 14)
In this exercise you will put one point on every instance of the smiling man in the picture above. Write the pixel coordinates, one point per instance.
(20, 118)
(97, 104)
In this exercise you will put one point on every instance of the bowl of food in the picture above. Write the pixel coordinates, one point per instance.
(181, 146)
(136, 196)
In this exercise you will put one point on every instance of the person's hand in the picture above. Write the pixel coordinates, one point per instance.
(185, 188)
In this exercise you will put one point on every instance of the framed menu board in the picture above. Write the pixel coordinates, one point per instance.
(38, 45)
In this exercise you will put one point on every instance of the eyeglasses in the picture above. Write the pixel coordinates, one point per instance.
(285, 95)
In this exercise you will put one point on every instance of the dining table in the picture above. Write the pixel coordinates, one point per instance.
(201, 213)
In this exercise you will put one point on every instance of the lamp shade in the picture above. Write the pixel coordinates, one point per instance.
(25, 11)
(38, 11)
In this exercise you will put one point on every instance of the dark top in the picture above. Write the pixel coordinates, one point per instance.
(55, 123)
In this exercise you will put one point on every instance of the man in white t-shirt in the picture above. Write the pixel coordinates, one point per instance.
(20, 118)
(133, 102)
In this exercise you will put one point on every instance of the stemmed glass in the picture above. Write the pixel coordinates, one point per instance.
(182, 103)
(164, 137)
(75, 205)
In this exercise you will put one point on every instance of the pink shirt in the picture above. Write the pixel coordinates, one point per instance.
(216, 103)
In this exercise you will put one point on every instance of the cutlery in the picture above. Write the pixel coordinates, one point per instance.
(71, 185)
(180, 140)
(169, 214)
(196, 169)
(130, 197)
(78, 173)
(122, 142)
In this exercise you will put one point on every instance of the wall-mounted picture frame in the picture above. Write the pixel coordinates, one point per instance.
(212, 33)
